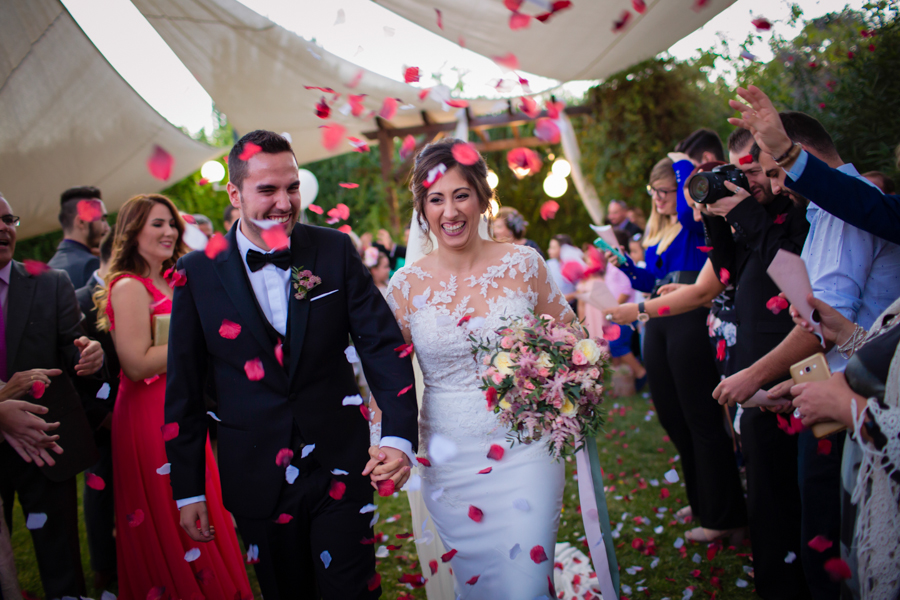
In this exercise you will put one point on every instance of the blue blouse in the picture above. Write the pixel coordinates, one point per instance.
(682, 254)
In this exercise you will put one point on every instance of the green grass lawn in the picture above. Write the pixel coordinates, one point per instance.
(635, 452)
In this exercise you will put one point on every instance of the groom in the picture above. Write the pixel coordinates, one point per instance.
(292, 453)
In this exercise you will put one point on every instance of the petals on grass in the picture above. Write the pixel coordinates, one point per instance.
(622, 22)
(332, 134)
(824, 447)
(549, 209)
(547, 131)
(136, 518)
(837, 569)
(475, 513)
(250, 150)
(337, 489)
(820, 543)
(90, 210)
(284, 457)
(349, 186)
(169, 431)
(95, 482)
(216, 245)
(385, 487)
(508, 61)
(37, 389)
(160, 163)
(411, 74)
(254, 369)
(465, 153)
(538, 555)
(664, 493)
(229, 329)
(776, 304)
(404, 390)
(496, 451)
(35, 267)
(408, 147)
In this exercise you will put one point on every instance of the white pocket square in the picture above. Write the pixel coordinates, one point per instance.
(320, 296)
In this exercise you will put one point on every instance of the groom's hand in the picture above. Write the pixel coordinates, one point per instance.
(387, 463)
(190, 515)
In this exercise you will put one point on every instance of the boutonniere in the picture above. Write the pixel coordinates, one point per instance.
(303, 281)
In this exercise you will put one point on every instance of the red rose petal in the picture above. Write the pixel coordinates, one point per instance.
(385, 487)
(254, 369)
(175, 278)
(327, 90)
(408, 147)
(663, 311)
(465, 153)
(404, 390)
(216, 245)
(345, 229)
(639, 6)
(549, 209)
(490, 395)
(323, 111)
(316, 209)
(422, 94)
(337, 489)
(720, 350)
(169, 431)
(275, 237)
(364, 411)
(780, 218)
(279, 353)
(229, 329)
(37, 389)
(90, 210)
(538, 555)
(524, 158)
(664, 493)
(374, 582)
(705, 248)
(456, 103)
(160, 163)
(433, 565)
(388, 109)
(611, 332)
(136, 518)
(94, 482)
(285, 518)
(332, 135)
(250, 150)
(837, 569)
(519, 21)
(515, 5)
(475, 513)
(357, 144)
(440, 19)
(554, 109)
(762, 24)
(485, 471)
(622, 22)
(508, 61)
(547, 131)
(284, 457)
(411, 75)
(776, 304)
(448, 555)
(820, 543)
(473, 580)
(824, 447)
(745, 160)
(349, 186)
(724, 276)
(423, 461)
(465, 319)
(404, 350)
(496, 451)
(35, 267)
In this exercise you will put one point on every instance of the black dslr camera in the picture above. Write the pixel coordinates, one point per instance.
(707, 187)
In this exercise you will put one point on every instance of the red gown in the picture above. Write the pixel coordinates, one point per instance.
(150, 543)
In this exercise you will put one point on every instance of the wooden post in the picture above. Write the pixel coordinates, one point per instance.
(386, 150)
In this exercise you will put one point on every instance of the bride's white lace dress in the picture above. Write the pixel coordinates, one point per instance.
(521, 496)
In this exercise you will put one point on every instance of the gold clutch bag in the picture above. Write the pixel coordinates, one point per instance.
(159, 329)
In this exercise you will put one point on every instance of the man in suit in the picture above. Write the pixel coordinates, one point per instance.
(292, 443)
(99, 397)
(45, 305)
(617, 215)
(75, 253)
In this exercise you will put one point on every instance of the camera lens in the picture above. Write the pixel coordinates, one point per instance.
(699, 188)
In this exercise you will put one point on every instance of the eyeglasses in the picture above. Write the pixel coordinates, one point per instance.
(661, 193)
(10, 220)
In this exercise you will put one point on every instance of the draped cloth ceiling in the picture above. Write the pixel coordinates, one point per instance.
(575, 43)
(67, 118)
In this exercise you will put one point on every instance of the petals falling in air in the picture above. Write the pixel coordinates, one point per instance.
(169, 431)
(229, 329)
(284, 457)
(549, 209)
(254, 369)
(160, 163)
(465, 153)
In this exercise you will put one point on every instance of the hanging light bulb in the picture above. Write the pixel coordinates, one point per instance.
(213, 171)
(492, 179)
(555, 185)
(494, 209)
(561, 167)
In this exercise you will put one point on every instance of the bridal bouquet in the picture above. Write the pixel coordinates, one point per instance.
(544, 378)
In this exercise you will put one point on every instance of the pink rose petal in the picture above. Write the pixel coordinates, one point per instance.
(90, 210)
(519, 21)
(465, 153)
(388, 109)
(254, 369)
(279, 353)
(404, 390)
(229, 329)
(95, 482)
(496, 451)
(284, 457)
(284, 518)
(169, 431)
(35, 267)
(37, 389)
(411, 74)
(508, 61)
(547, 131)
(529, 107)
(332, 135)
(349, 186)
(408, 147)
(820, 543)
(160, 164)
(250, 150)
(776, 304)
(475, 513)
(837, 569)
(337, 489)
(549, 209)
(136, 518)
(385, 487)
(216, 245)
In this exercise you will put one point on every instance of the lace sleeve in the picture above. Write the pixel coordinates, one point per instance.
(398, 301)
(550, 300)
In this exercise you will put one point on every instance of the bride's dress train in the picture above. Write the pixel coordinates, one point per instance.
(499, 516)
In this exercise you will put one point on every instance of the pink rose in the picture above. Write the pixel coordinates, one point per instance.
(529, 386)
(544, 372)
(578, 358)
(572, 340)
(497, 378)
(507, 342)
(594, 373)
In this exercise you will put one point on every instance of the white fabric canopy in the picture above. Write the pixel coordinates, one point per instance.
(67, 118)
(575, 43)
(256, 72)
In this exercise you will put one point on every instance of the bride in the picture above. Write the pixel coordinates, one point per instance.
(495, 508)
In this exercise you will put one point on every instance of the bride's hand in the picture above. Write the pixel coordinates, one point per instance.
(387, 463)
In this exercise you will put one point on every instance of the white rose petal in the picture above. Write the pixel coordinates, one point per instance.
(36, 520)
(382, 552)
(521, 504)
(741, 583)
(679, 543)
(426, 538)
(213, 415)
(350, 353)
(165, 469)
(108, 596)
(339, 472)
(671, 476)
(367, 509)
(307, 450)
(437, 493)
(291, 474)
(696, 558)
(413, 484)
(791, 557)
(103, 392)
(192, 554)
(374, 520)
(326, 558)
(354, 400)
(514, 552)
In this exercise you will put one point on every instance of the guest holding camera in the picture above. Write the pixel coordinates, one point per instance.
(682, 372)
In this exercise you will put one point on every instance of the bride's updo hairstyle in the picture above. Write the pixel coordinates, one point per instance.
(441, 152)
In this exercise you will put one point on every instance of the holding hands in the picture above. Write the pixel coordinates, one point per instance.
(387, 463)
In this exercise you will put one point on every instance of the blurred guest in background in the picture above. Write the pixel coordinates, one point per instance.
(230, 215)
(76, 253)
(379, 268)
(395, 252)
(204, 224)
(554, 266)
(509, 226)
(617, 215)
(881, 181)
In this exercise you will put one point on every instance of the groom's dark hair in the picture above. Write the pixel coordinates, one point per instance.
(269, 142)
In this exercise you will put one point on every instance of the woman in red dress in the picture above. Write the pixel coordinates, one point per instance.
(156, 558)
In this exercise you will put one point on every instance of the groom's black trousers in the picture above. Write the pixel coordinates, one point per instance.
(291, 565)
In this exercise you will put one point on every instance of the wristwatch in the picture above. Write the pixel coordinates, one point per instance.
(643, 317)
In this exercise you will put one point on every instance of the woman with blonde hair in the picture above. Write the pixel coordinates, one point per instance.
(153, 552)
(680, 364)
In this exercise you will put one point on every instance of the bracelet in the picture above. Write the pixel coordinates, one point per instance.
(790, 156)
(856, 339)
(783, 156)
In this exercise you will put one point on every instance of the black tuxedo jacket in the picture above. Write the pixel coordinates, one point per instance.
(43, 321)
(747, 253)
(257, 417)
(76, 260)
(97, 408)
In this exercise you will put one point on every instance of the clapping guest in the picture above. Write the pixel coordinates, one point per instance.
(150, 542)
(55, 341)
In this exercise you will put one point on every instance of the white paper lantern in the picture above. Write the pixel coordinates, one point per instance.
(213, 171)
(561, 167)
(555, 186)
(309, 188)
(492, 179)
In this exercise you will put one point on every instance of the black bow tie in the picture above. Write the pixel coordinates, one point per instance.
(257, 260)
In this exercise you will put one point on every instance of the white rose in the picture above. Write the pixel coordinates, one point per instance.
(590, 350)
(503, 362)
(543, 361)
